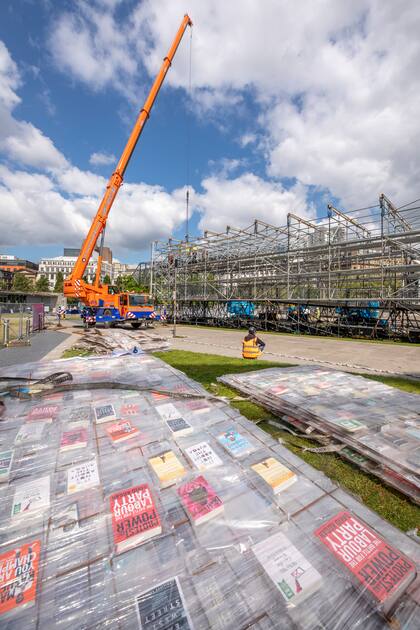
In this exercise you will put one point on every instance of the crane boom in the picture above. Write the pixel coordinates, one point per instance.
(75, 286)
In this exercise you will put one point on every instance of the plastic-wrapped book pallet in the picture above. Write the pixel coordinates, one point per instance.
(378, 425)
(130, 498)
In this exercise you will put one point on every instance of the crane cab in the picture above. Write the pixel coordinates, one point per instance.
(114, 307)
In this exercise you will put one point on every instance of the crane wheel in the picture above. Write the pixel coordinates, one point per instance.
(135, 325)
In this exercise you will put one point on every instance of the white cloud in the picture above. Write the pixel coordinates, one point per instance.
(27, 145)
(237, 202)
(35, 210)
(76, 182)
(57, 205)
(247, 138)
(89, 45)
(9, 79)
(102, 159)
(335, 85)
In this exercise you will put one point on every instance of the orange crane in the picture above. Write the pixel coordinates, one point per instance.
(105, 302)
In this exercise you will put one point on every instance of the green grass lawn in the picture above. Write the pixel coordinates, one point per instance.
(389, 503)
(76, 352)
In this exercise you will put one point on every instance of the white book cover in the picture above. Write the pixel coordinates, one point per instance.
(30, 432)
(203, 456)
(168, 412)
(290, 571)
(82, 476)
(31, 497)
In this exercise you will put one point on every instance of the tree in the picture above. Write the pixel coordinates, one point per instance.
(107, 279)
(21, 282)
(128, 283)
(58, 287)
(42, 284)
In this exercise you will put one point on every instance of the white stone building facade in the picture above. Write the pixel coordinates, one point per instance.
(50, 267)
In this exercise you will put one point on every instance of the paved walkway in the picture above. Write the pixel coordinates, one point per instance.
(41, 345)
(363, 356)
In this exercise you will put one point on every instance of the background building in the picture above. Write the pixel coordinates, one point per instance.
(14, 265)
(50, 267)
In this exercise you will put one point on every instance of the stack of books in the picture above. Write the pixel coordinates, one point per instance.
(157, 506)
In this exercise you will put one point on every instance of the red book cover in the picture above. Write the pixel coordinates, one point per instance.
(39, 413)
(74, 438)
(134, 514)
(200, 499)
(378, 566)
(19, 576)
(122, 430)
(129, 409)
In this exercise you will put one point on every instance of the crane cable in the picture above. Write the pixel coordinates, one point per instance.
(188, 147)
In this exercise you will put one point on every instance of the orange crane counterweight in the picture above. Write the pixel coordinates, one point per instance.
(74, 286)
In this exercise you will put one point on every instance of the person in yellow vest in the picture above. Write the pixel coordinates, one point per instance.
(252, 347)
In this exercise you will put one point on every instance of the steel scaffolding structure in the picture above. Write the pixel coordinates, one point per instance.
(356, 272)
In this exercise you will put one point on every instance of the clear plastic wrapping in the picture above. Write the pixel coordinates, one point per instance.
(131, 498)
(378, 425)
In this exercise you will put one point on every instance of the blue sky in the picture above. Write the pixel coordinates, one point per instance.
(288, 110)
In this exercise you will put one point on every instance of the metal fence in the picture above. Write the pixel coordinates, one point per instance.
(19, 321)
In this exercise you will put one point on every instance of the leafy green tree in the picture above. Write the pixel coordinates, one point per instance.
(21, 283)
(58, 287)
(107, 279)
(42, 284)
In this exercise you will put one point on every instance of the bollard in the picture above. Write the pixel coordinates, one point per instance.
(5, 332)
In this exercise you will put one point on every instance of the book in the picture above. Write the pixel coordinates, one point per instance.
(134, 517)
(65, 522)
(378, 568)
(179, 426)
(80, 414)
(348, 425)
(278, 476)
(197, 406)
(168, 468)
(287, 567)
(31, 497)
(30, 432)
(121, 431)
(6, 460)
(203, 456)
(74, 438)
(129, 409)
(168, 412)
(163, 604)
(235, 443)
(19, 576)
(82, 476)
(200, 500)
(104, 413)
(46, 413)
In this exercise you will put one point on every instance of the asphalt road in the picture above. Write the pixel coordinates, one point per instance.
(41, 345)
